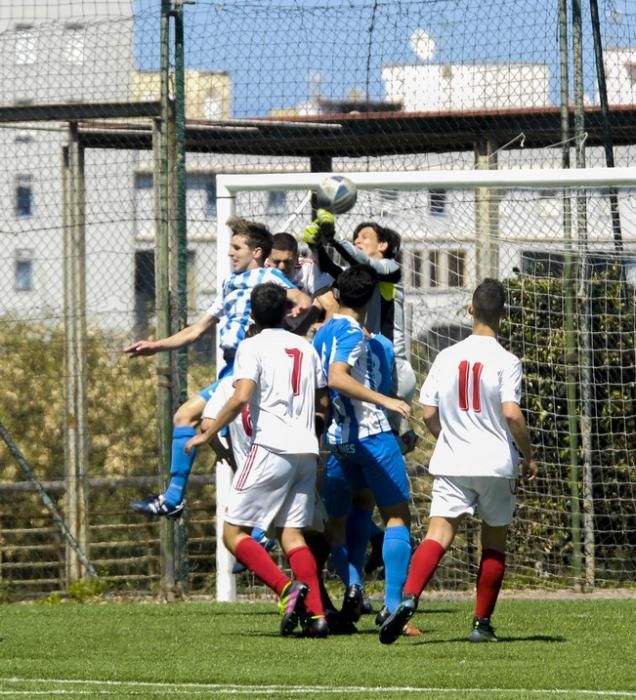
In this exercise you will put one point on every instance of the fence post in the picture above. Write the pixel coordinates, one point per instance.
(75, 374)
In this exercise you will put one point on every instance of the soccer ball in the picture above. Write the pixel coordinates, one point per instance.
(336, 194)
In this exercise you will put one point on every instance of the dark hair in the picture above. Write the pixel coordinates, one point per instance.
(385, 235)
(489, 301)
(269, 304)
(256, 235)
(285, 241)
(356, 285)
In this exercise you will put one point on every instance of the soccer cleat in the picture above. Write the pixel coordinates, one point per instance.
(394, 624)
(352, 604)
(266, 543)
(382, 615)
(482, 630)
(316, 626)
(337, 625)
(367, 606)
(157, 506)
(291, 606)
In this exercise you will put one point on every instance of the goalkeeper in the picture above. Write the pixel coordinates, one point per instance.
(379, 247)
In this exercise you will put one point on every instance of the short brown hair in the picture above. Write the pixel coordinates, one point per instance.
(257, 235)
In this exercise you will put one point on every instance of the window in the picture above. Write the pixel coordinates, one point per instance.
(23, 196)
(542, 263)
(23, 270)
(276, 202)
(210, 197)
(25, 45)
(456, 268)
(433, 268)
(416, 270)
(74, 43)
(437, 202)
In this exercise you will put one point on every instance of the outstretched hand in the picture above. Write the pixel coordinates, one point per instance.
(141, 348)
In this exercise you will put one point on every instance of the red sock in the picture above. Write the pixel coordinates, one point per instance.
(489, 579)
(423, 565)
(258, 561)
(303, 565)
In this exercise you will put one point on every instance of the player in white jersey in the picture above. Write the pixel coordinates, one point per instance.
(278, 375)
(250, 245)
(471, 405)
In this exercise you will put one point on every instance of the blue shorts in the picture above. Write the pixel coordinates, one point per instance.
(375, 462)
(211, 388)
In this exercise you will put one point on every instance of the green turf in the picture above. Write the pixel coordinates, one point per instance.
(552, 648)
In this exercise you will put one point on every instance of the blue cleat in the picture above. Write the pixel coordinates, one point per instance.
(157, 507)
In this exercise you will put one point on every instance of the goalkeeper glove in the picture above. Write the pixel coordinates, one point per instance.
(327, 224)
(311, 235)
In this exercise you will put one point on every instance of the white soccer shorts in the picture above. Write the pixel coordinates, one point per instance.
(491, 498)
(271, 487)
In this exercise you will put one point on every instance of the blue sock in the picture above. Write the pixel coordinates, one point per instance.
(396, 552)
(340, 561)
(358, 525)
(181, 465)
(257, 534)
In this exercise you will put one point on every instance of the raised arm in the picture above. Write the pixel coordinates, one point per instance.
(186, 336)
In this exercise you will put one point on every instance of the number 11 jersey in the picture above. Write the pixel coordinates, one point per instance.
(468, 382)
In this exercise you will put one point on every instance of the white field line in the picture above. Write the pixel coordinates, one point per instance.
(107, 688)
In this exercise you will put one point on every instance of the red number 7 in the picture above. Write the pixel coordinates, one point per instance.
(297, 361)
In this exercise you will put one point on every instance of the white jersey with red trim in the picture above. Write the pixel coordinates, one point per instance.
(468, 382)
(240, 428)
(286, 370)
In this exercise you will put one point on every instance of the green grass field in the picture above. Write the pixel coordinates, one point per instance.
(548, 649)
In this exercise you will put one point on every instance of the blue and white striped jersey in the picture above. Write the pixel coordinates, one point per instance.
(232, 304)
(371, 360)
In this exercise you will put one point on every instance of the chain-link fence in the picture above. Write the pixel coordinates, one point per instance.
(294, 87)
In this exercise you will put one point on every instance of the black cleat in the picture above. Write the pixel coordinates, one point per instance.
(352, 604)
(482, 631)
(393, 626)
(291, 606)
(316, 627)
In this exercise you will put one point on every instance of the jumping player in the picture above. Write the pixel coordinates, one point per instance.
(250, 245)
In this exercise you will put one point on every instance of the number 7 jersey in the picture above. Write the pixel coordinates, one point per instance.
(468, 382)
(286, 370)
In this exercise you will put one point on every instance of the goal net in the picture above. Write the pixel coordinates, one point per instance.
(564, 244)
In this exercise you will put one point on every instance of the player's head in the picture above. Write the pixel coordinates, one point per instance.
(269, 304)
(356, 286)
(284, 255)
(489, 302)
(250, 244)
(376, 241)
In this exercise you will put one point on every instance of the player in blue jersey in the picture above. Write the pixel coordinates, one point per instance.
(365, 455)
(250, 245)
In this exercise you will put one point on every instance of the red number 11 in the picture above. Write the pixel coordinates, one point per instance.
(464, 373)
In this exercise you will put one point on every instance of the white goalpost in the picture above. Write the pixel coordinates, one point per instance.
(486, 241)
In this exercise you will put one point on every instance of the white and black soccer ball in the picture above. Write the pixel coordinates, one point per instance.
(337, 194)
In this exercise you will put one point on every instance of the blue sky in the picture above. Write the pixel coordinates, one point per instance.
(280, 52)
